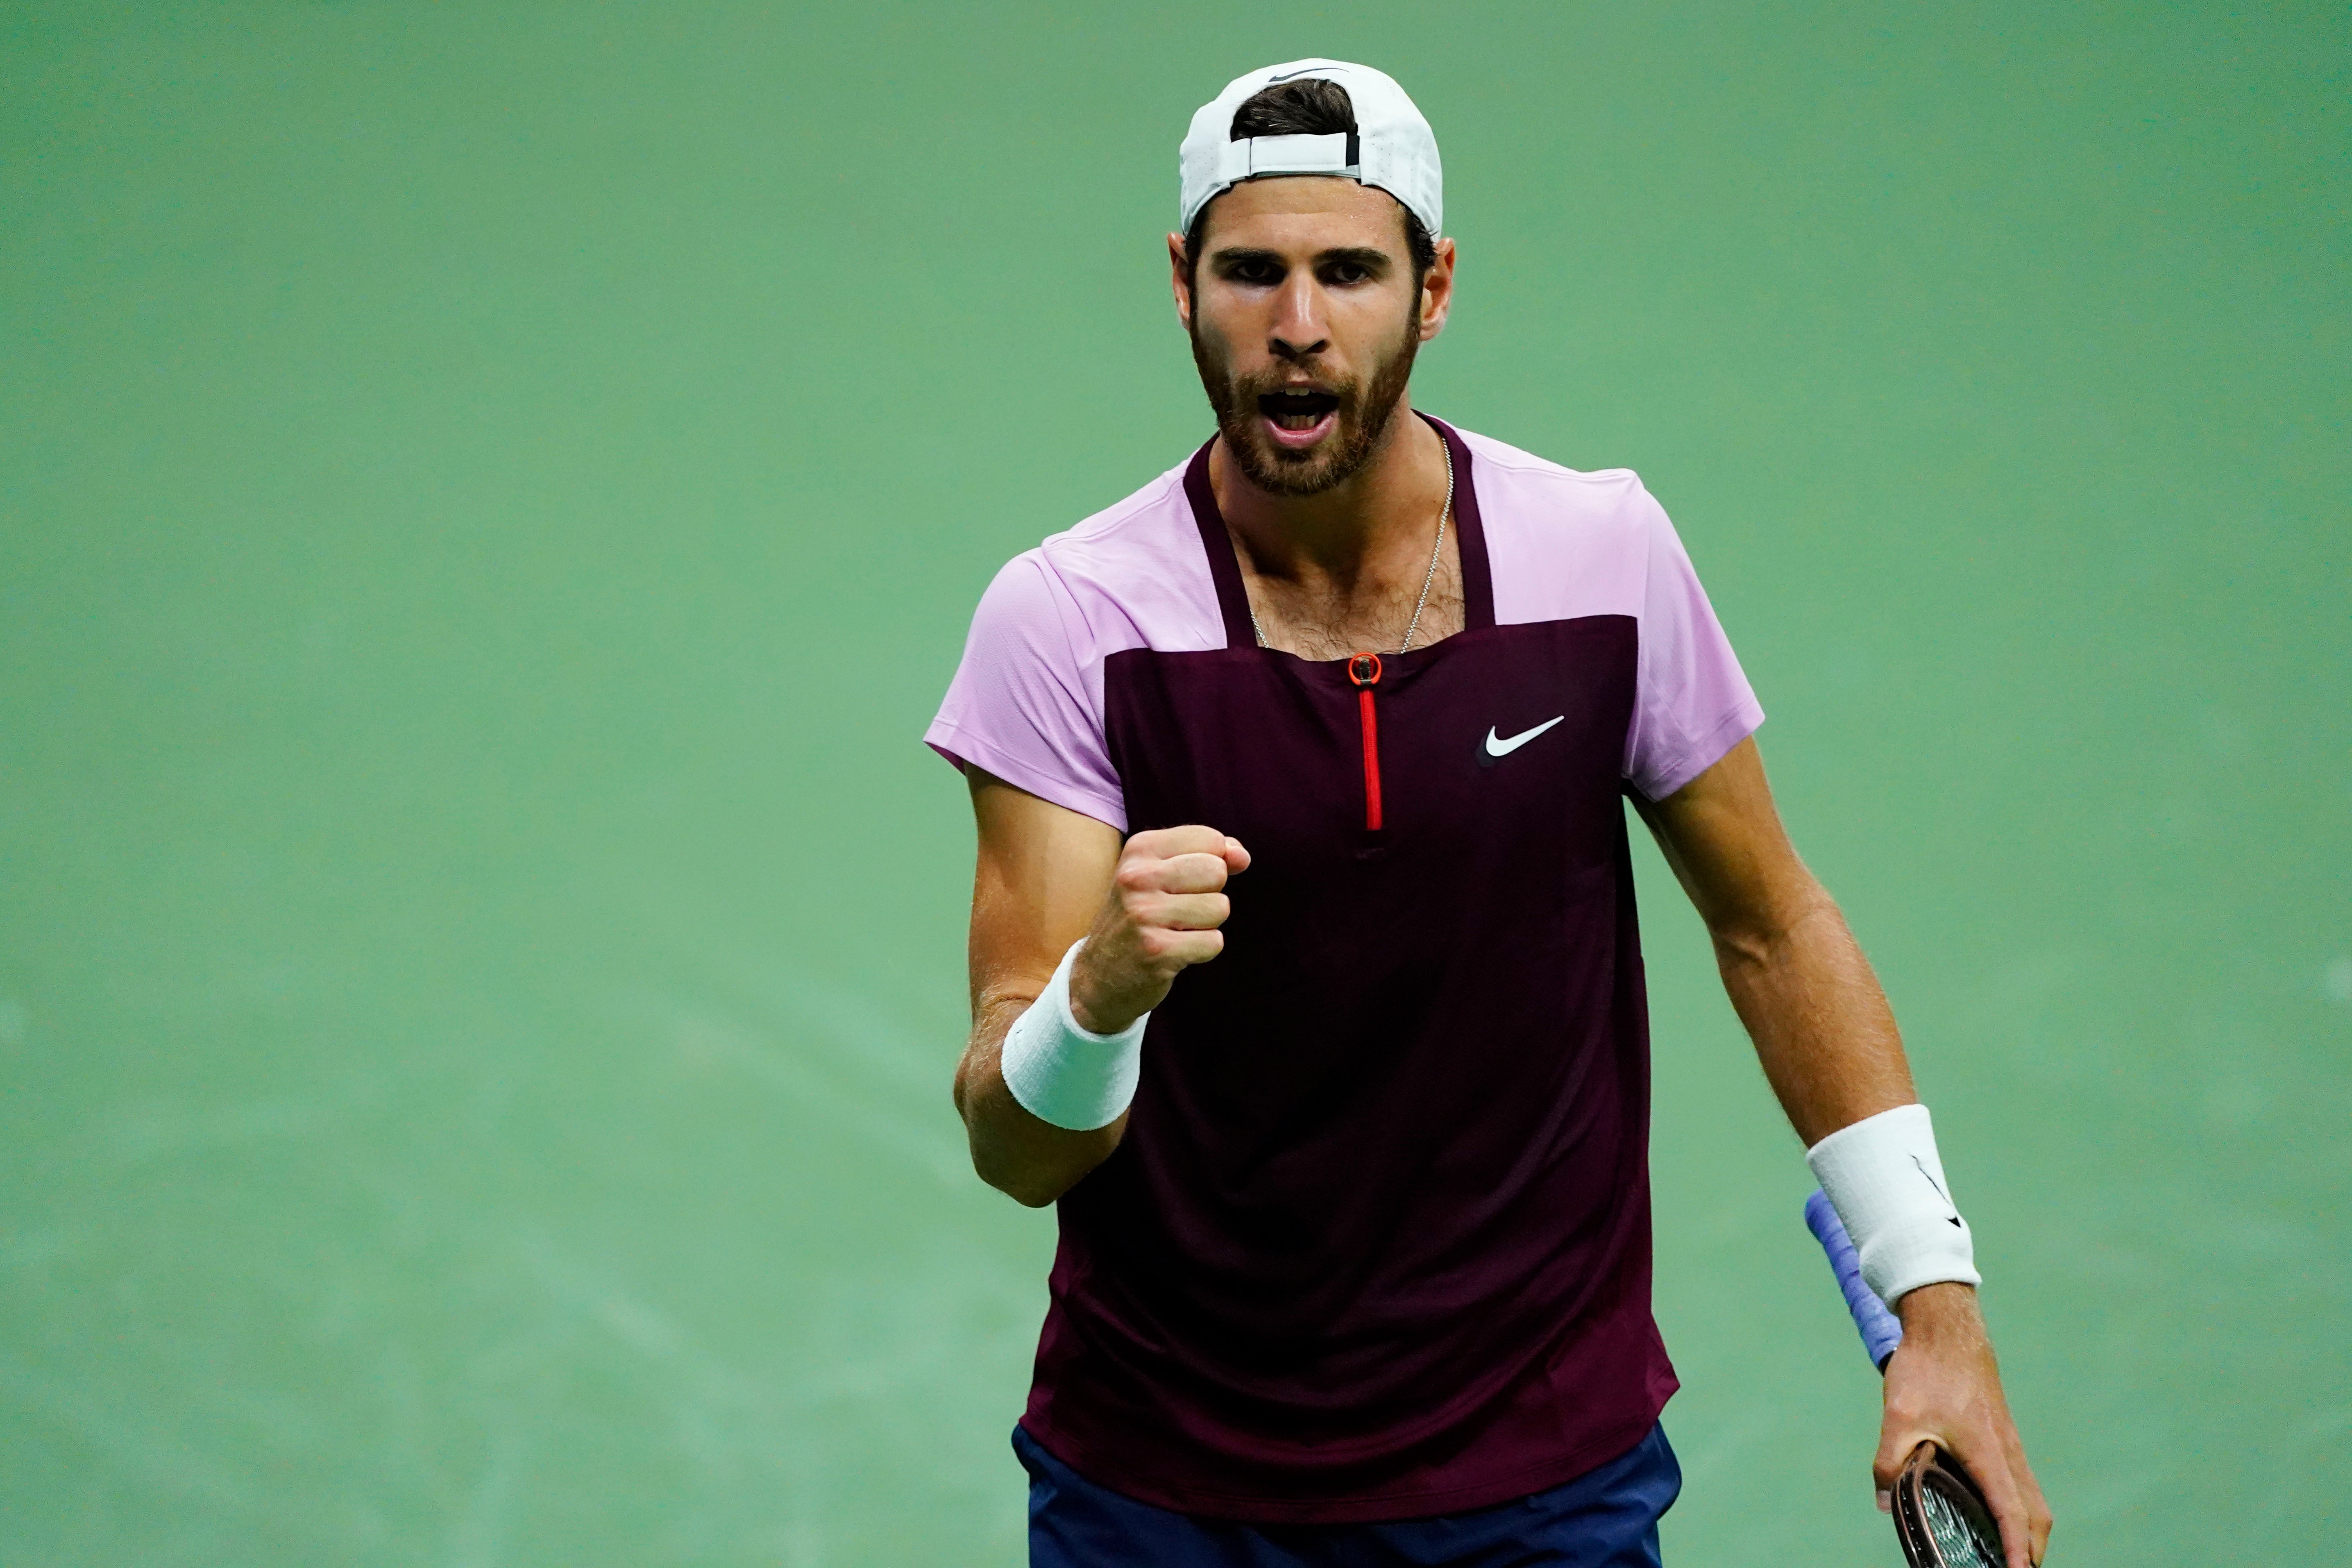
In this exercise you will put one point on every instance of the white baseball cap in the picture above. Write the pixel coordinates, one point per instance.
(1393, 148)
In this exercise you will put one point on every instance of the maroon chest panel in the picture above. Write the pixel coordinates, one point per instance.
(1377, 1240)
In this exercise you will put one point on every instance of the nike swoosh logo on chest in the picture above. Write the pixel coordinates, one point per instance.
(1495, 748)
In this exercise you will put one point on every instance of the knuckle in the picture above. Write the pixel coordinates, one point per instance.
(1188, 867)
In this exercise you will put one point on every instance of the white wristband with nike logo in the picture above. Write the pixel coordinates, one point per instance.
(1884, 1176)
(1066, 1075)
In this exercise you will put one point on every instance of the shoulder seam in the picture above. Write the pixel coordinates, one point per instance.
(1119, 512)
(1065, 603)
(1517, 459)
(1535, 465)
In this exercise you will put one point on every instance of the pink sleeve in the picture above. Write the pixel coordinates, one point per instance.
(1023, 704)
(1691, 703)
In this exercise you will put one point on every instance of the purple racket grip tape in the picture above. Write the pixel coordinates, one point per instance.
(1880, 1331)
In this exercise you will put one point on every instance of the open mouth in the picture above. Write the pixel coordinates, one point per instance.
(1299, 411)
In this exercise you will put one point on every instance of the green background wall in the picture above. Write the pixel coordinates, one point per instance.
(489, 496)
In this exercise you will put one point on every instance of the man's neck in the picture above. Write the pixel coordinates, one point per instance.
(1330, 573)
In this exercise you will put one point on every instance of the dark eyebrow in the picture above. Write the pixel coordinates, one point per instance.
(1237, 256)
(1365, 256)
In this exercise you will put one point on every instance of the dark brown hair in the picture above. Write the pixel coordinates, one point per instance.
(1312, 107)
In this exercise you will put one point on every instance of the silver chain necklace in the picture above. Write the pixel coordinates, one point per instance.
(1436, 552)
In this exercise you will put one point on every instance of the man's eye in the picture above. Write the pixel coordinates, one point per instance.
(1347, 272)
(1256, 272)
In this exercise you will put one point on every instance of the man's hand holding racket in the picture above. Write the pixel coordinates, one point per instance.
(1950, 1467)
(1943, 1387)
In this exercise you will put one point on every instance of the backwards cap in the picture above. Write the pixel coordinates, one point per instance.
(1393, 147)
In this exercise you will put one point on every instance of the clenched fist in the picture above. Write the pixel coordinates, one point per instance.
(1167, 901)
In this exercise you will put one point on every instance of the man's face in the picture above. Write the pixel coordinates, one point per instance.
(1305, 317)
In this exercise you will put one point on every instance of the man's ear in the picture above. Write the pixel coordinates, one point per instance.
(1437, 293)
(1180, 279)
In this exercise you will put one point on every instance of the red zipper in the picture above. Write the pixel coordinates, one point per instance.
(1364, 669)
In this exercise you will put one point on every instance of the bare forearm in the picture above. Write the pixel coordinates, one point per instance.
(1029, 1160)
(1045, 878)
(1822, 1029)
(1828, 1043)
(1820, 1023)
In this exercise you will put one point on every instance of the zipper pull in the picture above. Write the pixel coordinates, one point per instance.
(1364, 669)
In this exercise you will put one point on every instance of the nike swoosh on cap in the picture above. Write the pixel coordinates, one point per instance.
(1494, 749)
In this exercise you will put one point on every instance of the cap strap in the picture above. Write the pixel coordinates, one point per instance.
(1333, 155)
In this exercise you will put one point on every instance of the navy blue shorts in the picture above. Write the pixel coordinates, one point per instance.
(1606, 1518)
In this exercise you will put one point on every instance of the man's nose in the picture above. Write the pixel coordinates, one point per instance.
(1297, 332)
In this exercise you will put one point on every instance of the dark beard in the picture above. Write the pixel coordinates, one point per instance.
(1358, 423)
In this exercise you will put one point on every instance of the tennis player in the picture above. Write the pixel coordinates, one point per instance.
(1304, 969)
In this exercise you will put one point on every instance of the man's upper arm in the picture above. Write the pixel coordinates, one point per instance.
(1042, 873)
(1723, 837)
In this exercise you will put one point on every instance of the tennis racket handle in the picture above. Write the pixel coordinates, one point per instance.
(1879, 1330)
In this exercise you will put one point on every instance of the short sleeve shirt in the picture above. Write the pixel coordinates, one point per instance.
(1026, 703)
(1375, 1243)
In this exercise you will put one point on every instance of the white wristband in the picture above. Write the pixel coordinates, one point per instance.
(1066, 1075)
(1884, 1176)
